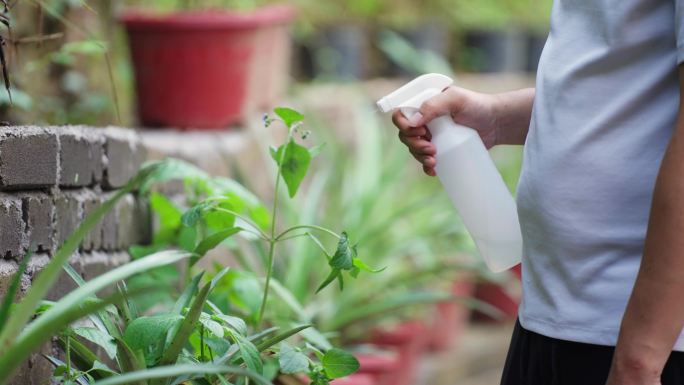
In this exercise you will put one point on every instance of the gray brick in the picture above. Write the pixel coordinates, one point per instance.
(124, 155)
(12, 227)
(68, 213)
(7, 271)
(28, 158)
(110, 228)
(93, 240)
(38, 214)
(81, 152)
(125, 211)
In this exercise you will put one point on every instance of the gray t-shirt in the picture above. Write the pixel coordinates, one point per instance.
(605, 109)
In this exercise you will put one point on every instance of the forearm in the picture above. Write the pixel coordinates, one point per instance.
(513, 112)
(655, 314)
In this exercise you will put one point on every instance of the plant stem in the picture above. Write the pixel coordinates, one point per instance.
(68, 355)
(247, 220)
(271, 240)
(313, 227)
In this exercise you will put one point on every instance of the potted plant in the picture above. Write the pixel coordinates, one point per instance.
(206, 65)
(334, 37)
(493, 40)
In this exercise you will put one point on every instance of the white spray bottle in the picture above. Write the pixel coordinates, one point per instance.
(468, 174)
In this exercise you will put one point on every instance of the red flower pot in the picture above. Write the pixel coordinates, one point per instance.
(195, 69)
(500, 296)
(383, 368)
(450, 317)
(409, 339)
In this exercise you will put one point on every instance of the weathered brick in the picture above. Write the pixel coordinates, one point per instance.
(81, 157)
(12, 227)
(7, 271)
(68, 213)
(93, 240)
(110, 227)
(125, 211)
(124, 156)
(38, 214)
(28, 158)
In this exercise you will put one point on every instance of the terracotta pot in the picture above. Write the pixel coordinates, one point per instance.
(450, 318)
(410, 340)
(383, 368)
(500, 296)
(200, 69)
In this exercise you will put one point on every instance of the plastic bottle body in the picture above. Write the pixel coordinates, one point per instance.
(479, 193)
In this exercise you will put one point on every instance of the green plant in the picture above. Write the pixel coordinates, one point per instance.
(212, 331)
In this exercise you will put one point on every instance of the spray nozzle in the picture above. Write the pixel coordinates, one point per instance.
(415, 92)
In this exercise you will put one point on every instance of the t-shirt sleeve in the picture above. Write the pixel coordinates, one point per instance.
(679, 29)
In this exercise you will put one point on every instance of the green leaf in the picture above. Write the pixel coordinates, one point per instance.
(98, 337)
(291, 360)
(288, 115)
(296, 161)
(193, 215)
(97, 365)
(174, 169)
(331, 277)
(60, 370)
(214, 240)
(214, 327)
(146, 331)
(165, 372)
(187, 326)
(316, 150)
(169, 215)
(12, 291)
(75, 305)
(261, 346)
(217, 219)
(184, 300)
(235, 323)
(48, 276)
(358, 263)
(275, 153)
(343, 258)
(249, 353)
(338, 363)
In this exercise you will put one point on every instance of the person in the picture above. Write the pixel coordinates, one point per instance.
(600, 197)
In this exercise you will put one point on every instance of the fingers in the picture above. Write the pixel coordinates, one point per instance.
(417, 139)
(429, 171)
(446, 103)
(418, 145)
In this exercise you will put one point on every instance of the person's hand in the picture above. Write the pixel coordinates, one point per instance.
(468, 108)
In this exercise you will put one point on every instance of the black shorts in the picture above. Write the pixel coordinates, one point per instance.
(534, 359)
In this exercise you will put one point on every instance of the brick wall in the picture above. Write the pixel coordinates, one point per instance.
(50, 179)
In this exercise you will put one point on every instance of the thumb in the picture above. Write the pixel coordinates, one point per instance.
(441, 104)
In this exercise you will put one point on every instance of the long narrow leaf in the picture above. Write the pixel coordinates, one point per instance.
(48, 276)
(27, 343)
(12, 291)
(165, 372)
(102, 320)
(186, 328)
(64, 311)
(381, 307)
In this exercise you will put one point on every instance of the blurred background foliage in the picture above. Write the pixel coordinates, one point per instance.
(69, 61)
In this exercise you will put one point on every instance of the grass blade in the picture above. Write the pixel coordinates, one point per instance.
(164, 372)
(48, 276)
(71, 307)
(12, 291)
